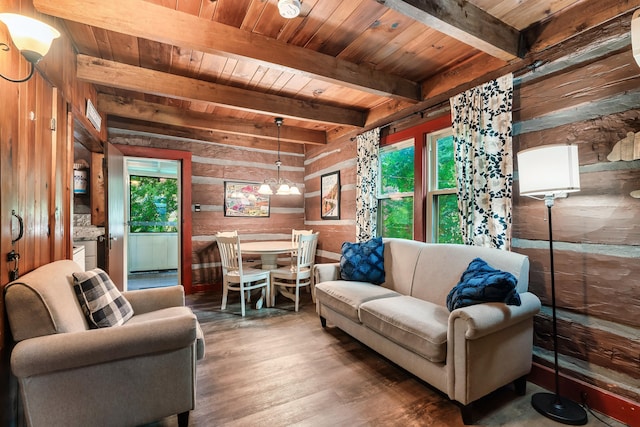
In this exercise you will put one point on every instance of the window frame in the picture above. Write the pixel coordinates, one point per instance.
(433, 193)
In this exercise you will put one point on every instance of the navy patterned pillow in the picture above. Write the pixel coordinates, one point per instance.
(482, 283)
(363, 262)
(101, 301)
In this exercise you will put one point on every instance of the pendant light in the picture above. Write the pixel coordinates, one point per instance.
(282, 186)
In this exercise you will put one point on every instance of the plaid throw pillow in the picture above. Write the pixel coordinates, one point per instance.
(363, 262)
(101, 301)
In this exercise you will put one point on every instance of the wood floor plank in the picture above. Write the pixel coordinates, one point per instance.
(276, 367)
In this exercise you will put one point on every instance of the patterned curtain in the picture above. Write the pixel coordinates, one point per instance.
(368, 145)
(484, 162)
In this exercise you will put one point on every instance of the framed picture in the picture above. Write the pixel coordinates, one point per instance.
(241, 199)
(330, 195)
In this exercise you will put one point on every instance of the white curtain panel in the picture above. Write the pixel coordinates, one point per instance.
(482, 131)
(368, 147)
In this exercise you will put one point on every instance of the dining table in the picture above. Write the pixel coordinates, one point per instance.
(268, 251)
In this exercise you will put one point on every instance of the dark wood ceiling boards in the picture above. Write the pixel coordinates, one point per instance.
(231, 66)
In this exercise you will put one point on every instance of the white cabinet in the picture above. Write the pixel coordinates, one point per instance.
(78, 256)
(90, 253)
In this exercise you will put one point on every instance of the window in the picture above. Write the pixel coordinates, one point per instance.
(443, 221)
(153, 204)
(395, 190)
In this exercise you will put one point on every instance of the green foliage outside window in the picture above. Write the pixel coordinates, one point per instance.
(397, 217)
(448, 221)
(154, 204)
(396, 177)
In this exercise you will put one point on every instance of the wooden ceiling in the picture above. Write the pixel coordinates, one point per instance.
(229, 67)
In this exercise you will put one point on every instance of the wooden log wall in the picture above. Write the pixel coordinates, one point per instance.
(38, 120)
(592, 99)
(213, 163)
(338, 156)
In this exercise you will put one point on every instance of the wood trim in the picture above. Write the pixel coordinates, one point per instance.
(185, 239)
(614, 406)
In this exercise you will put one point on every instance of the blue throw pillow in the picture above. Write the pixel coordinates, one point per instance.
(482, 283)
(363, 262)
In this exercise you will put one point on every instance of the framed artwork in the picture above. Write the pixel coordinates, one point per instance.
(330, 195)
(241, 199)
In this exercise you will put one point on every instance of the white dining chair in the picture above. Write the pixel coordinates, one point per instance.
(288, 280)
(295, 236)
(236, 277)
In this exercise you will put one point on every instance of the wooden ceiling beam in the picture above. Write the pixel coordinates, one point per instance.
(152, 22)
(189, 135)
(157, 113)
(574, 21)
(110, 73)
(465, 22)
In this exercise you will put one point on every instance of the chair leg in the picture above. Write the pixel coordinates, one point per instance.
(225, 293)
(183, 419)
(242, 296)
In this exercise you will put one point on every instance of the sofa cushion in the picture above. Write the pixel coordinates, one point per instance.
(363, 262)
(345, 296)
(482, 283)
(415, 324)
(101, 301)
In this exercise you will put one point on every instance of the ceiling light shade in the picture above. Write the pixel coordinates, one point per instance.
(32, 37)
(550, 169)
(289, 8)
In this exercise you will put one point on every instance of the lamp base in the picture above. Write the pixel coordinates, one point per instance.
(559, 409)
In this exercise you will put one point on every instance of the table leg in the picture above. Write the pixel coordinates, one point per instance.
(269, 261)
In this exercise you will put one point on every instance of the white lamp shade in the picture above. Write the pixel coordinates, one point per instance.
(550, 169)
(294, 190)
(32, 37)
(265, 189)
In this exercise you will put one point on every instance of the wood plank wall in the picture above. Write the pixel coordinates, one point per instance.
(213, 163)
(592, 99)
(338, 156)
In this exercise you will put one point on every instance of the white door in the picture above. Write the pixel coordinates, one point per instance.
(115, 220)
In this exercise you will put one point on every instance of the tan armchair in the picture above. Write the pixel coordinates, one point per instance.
(125, 375)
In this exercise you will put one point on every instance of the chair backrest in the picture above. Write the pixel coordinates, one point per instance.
(230, 255)
(227, 233)
(306, 255)
(295, 235)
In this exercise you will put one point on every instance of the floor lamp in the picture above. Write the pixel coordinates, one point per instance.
(552, 171)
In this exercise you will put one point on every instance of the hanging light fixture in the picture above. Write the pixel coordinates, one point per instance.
(289, 8)
(32, 38)
(282, 186)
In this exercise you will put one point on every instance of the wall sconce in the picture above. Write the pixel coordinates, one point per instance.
(32, 38)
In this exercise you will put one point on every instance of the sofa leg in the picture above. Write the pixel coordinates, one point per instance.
(466, 411)
(323, 322)
(183, 419)
(521, 385)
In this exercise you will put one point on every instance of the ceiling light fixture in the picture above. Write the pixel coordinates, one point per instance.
(289, 8)
(32, 38)
(283, 187)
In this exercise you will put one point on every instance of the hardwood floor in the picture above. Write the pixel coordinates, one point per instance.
(276, 367)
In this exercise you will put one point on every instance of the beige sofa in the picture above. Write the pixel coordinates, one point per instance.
(70, 375)
(466, 353)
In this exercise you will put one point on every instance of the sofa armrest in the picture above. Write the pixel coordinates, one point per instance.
(147, 300)
(58, 352)
(326, 272)
(484, 319)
